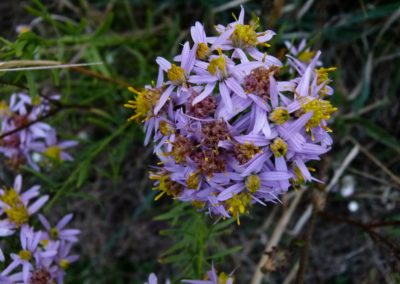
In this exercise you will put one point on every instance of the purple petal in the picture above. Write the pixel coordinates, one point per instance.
(207, 91)
(226, 97)
(164, 63)
(37, 204)
(235, 87)
(44, 222)
(164, 97)
(64, 221)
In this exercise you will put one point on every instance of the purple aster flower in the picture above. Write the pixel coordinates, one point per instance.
(59, 232)
(29, 249)
(15, 204)
(177, 75)
(22, 146)
(213, 278)
(63, 260)
(154, 280)
(228, 127)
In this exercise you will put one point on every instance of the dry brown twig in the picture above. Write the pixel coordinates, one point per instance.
(276, 237)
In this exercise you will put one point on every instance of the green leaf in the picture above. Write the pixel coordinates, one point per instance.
(378, 133)
(225, 253)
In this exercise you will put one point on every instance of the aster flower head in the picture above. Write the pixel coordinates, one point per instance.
(59, 232)
(212, 277)
(17, 206)
(25, 136)
(29, 251)
(154, 280)
(231, 124)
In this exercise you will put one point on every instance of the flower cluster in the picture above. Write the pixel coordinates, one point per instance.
(211, 277)
(231, 124)
(26, 139)
(42, 256)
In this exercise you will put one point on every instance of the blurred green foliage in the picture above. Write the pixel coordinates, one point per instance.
(127, 36)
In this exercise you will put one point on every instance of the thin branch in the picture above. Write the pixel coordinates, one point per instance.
(275, 238)
(366, 228)
(306, 248)
(100, 76)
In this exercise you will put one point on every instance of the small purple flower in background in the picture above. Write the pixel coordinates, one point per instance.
(233, 125)
(44, 255)
(34, 140)
(59, 232)
(154, 280)
(29, 251)
(213, 278)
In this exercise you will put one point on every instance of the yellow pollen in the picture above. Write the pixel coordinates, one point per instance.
(238, 204)
(253, 183)
(24, 29)
(64, 264)
(166, 186)
(306, 56)
(143, 103)
(279, 116)
(54, 233)
(323, 78)
(244, 36)
(193, 180)
(223, 278)
(165, 128)
(4, 109)
(25, 255)
(198, 204)
(279, 147)
(218, 64)
(203, 51)
(248, 150)
(299, 177)
(322, 110)
(54, 153)
(16, 210)
(176, 75)
(44, 242)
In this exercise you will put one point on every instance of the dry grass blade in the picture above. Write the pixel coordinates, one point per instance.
(276, 237)
(24, 65)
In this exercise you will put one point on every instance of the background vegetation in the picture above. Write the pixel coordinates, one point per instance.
(125, 234)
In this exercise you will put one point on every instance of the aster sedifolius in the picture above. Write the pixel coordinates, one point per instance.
(231, 124)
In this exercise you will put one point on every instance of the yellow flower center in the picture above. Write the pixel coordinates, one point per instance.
(54, 153)
(198, 204)
(279, 147)
(223, 278)
(322, 110)
(244, 36)
(24, 29)
(16, 212)
(245, 152)
(54, 233)
(25, 255)
(238, 204)
(218, 64)
(323, 78)
(44, 242)
(253, 183)
(279, 116)
(165, 128)
(193, 180)
(64, 264)
(306, 56)
(143, 103)
(176, 75)
(166, 185)
(203, 51)
(4, 109)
